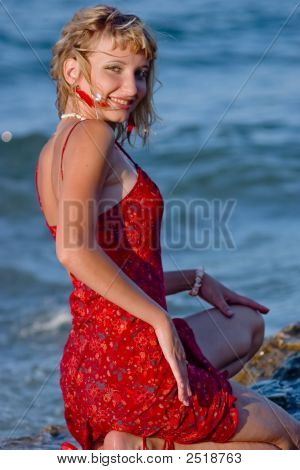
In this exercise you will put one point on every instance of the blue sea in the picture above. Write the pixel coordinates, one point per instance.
(228, 144)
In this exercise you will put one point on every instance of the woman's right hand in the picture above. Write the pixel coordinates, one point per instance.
(175, 355)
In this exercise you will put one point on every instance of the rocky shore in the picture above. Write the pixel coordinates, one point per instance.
(274, 372)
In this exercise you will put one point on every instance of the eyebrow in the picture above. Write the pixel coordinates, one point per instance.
(122, 62)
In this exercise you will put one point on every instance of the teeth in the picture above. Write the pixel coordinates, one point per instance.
(119, 101)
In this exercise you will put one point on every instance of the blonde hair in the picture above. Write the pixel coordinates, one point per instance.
(125, 29)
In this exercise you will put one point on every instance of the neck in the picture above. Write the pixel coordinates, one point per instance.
(89, 114)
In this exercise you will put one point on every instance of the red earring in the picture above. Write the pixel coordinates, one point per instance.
(83, 95)
(130, 125)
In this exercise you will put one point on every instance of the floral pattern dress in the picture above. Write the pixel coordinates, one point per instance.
(113, 374)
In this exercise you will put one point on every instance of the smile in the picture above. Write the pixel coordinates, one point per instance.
(116, 100)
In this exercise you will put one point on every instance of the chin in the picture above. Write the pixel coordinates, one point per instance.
(120, 121)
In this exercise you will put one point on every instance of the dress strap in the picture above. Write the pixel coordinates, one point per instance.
(144, 447)
(127, 154)
(36, 185)
(62, 154)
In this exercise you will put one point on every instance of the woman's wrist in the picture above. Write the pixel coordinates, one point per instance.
(198, 280)
(179, 281)
(190, 279)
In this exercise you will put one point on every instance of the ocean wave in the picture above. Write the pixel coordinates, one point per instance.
(58, 319)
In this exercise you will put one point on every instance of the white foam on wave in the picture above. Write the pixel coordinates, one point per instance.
(58, 318)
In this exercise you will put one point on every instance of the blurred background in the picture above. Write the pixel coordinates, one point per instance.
(229, 102)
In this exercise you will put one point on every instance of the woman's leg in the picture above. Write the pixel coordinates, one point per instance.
(260, 419)
(116, 440)
(262, 425)
(228, 343)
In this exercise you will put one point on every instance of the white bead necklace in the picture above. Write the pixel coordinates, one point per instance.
(78, 116)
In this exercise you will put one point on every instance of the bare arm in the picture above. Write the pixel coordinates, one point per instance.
(178, 281)
(86, 161)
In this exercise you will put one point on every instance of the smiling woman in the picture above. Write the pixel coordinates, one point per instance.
(88, 45)
(128, 370)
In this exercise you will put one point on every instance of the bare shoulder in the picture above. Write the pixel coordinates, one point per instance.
(90, 144)
(91, 131)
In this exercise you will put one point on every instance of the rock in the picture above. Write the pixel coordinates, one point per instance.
(290, 370)
(270, 357)
(274, 371)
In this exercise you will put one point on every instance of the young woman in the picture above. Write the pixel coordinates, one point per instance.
(128, 371)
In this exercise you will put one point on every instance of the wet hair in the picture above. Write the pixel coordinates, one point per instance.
(126, 30)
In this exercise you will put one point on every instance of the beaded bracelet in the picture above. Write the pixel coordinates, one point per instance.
(198, 281)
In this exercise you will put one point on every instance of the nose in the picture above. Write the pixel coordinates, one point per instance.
(130, 87)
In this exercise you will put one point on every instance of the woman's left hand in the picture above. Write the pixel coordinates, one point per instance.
(215, 293)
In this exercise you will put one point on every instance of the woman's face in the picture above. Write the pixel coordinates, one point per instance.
(117, 74)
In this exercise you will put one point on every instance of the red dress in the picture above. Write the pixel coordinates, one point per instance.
(113, 374)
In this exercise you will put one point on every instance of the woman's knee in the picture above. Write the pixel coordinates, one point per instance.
(255, 324)
(258, 331)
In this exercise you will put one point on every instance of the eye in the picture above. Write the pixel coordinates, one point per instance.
(143, 73)
(113, 67)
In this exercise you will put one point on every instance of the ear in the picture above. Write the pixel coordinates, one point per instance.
(71, 70)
